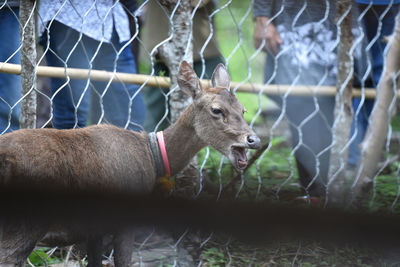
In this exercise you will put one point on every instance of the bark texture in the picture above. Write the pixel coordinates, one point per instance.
(28, 64)
(373, 144)
(343, 107)
(173, 52)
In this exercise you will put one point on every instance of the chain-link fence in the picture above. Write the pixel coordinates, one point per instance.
(318, 80)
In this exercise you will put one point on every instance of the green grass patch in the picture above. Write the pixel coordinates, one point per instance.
(39, 257)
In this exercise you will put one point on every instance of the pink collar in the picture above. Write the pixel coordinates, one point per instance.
(164, 155)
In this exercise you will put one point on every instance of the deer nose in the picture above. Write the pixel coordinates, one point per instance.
(253, 141)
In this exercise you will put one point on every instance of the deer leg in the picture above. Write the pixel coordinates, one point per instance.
(18, 239)
(94, 251)
(123, 247)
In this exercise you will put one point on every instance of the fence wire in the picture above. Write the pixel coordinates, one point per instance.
(285, 53)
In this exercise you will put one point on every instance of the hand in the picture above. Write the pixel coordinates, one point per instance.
(266, 31)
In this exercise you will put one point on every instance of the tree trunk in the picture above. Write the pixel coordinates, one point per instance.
(343, 107)
(372, 146)
(173, 52)
(28, 64)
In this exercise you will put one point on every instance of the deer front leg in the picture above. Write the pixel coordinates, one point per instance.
(94, 250)
(123, 247)
(18, 239)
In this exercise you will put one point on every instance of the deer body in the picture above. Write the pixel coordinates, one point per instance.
(105, 158)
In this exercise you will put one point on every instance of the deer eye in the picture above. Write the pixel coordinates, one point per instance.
(216, 111)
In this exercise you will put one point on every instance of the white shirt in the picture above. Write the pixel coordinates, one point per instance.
(94, 18)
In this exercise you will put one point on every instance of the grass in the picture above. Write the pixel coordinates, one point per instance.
(40, 257)
(385, 198)
(285, 254)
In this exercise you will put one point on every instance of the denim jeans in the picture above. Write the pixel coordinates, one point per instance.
(77, 100)
(311, 136)
(10, 84)
(371, 25)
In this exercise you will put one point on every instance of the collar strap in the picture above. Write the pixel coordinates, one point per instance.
(157, 146)
(155, 149)
(164, 155)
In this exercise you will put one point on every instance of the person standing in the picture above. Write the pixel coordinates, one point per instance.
(299, 39)
(90, 35)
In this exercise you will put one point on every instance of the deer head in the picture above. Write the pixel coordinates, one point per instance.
(218, 115)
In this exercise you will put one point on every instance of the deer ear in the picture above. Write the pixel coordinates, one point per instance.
(188, 80)
(220, 77)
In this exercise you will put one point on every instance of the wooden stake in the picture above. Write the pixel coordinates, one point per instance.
(164, 82)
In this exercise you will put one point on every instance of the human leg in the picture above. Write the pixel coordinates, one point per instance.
(311, 127)
(10, 84)
(311, 131)
(359, 123)
(375, 35)
(70, 97)
(379, 23)
(117, 103)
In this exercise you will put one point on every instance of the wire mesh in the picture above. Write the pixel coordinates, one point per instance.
(290, 46)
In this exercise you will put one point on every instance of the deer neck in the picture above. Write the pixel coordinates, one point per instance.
(181, 141)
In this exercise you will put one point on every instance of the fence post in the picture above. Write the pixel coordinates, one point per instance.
(28, 64)
(381, 115)
(343, 106)
(179, 48)
(174, 51)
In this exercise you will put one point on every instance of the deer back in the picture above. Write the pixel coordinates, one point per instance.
(101, 157)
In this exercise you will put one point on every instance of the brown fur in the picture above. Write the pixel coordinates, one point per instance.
(109, 158)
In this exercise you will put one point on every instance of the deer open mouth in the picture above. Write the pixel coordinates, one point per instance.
(239, 154)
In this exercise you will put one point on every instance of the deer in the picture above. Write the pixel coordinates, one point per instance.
(106, 158)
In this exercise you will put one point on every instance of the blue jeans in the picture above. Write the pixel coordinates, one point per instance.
(77, 100)
(10, 84)
(371, 23)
